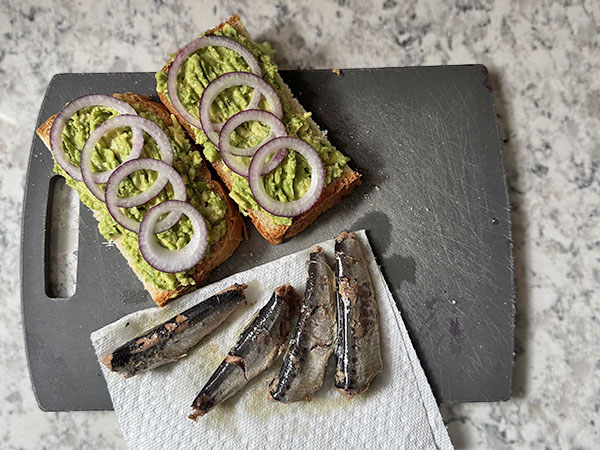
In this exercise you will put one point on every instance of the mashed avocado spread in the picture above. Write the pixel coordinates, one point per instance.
(292, 178)
(112, 149)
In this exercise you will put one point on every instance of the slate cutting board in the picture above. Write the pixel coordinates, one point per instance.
(434, 203)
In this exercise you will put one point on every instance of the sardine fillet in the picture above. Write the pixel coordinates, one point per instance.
(172, 339)
(259, 345)
(305, 361)
(358, 352)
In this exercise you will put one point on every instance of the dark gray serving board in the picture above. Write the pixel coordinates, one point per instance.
(434, 203)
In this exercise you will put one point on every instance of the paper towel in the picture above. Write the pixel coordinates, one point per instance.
(398, 410)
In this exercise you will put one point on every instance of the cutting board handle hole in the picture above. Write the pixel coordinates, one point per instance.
(61, 240)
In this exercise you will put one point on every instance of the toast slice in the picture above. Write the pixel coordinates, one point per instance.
(340, 186)
(218, 251)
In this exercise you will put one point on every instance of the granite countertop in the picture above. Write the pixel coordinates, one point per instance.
(544, 60)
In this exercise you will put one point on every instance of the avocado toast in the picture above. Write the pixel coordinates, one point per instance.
(288, 182)
(224, 224)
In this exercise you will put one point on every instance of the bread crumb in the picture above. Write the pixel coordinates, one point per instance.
(337, 71)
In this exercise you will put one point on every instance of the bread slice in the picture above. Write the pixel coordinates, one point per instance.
(218, 252)
(331, 195)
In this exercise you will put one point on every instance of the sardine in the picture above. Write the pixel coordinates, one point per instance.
(311, 345)
(259, 345)
(172, 339)
(358, 356)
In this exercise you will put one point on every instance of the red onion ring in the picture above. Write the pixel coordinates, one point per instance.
(295, 207)
(259, 115)
(65, 114)
(229, 152)
(207, 41)
(127, 168)
(92, 179)
(228, 80)
(172, 261)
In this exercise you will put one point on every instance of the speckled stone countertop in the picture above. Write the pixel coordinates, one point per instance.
(544, 59)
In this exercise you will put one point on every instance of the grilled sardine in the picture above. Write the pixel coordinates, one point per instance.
(172, 339)
(258, 346)
(311, 345)
(358, 354)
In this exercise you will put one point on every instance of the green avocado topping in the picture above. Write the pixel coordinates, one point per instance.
(292, 178)
(112, 149)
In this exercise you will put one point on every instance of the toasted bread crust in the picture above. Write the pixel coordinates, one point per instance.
(218, 253)
(331, 195)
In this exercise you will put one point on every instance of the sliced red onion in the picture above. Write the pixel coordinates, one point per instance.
(172, 261)
(228, 80)
(65, 114)
(113, 202)
(229, 152)
(295, 207)
(207, 41)
(92, 179)
(259, 115)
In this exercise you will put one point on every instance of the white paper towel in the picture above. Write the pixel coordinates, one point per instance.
(398, 410)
